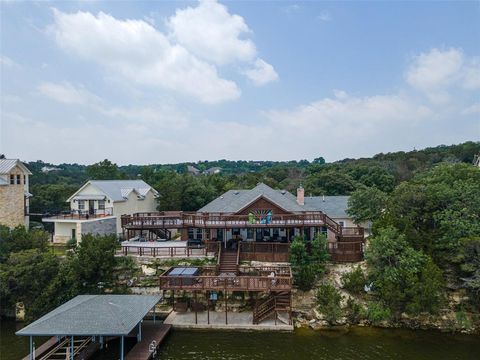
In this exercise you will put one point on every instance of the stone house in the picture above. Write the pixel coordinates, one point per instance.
(14, 193)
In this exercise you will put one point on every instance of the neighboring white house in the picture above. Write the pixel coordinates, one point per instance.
(14, 192)
(98, 205)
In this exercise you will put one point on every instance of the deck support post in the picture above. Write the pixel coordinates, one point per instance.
(208, 307)
(196, 306)
(72, 348)
(139, 335)
(121, 347)
(226, 308)
(31, 348)
(101, 342)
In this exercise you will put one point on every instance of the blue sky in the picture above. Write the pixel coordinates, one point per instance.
(162, 82)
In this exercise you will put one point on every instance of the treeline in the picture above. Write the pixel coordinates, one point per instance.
(180, 190)
(31, 273)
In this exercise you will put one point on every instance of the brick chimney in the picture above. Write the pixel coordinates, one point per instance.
(301, 195)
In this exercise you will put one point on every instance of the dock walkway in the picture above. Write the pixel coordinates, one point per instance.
(151, 334)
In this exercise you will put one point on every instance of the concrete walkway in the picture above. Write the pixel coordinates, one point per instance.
(236, 321)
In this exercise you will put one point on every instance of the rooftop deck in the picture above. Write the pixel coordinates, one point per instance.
(248, 279)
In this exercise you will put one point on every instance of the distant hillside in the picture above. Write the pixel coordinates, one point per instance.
(181, 190)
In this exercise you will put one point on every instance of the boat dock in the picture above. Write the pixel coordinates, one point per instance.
(152, 337)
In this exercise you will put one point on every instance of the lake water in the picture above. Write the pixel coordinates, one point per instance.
(356, 343)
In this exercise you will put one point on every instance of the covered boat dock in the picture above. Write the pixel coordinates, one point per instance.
(83, 325)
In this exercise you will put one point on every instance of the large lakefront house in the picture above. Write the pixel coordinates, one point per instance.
(240, 227)
(261, 221)
(14, 193)
(97, 206)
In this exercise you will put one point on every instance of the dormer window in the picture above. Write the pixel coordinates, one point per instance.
(19, 179)
(12, 179)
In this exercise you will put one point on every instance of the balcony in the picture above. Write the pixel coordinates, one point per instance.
(79, 215)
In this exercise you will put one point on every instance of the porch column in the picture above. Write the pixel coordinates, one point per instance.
(139, 335)
(31, 348)
(121, 347)
(72, 353)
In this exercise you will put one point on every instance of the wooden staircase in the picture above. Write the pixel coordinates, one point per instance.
(275, 302)
(228, 262)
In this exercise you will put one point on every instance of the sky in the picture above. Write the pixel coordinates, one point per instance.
(144, 82)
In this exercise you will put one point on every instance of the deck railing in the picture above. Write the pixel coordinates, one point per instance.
(154, 250)
(346, 251)
(80, 214)
(258, 251)
(249, 279)
(221, 220)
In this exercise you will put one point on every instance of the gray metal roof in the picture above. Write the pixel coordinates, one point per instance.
(333, 206)
(93, 315)
(118, 190)
(235, 200)
(6, 165)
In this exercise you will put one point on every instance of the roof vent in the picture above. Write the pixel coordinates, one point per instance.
(221, 197)
(323, 198)
(2, 156)
(236, 192)
(283, 192)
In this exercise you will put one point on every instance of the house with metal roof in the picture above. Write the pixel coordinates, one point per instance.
(14, 192)
(98, 206)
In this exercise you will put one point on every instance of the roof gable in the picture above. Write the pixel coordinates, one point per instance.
(234, 201)
(7, 165)
(118, 190)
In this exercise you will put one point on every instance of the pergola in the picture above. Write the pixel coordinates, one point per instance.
(93, 316)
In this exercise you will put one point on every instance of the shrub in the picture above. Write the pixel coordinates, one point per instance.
(354, 281)
(304, 277)
(72, 243)
(328, 301)
(354, 310)
(376, 312)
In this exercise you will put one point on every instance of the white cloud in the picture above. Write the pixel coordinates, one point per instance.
(135, 50)
(472, 109)
(324, 16)
(7, 62)
(261, 73)
(210, 32)
(437, 71)
(67, 93)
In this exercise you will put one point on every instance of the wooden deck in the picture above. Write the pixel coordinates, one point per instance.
(152, 337)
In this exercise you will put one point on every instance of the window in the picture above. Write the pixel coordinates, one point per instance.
(12, 179)
(249, 233)
(190, 233)
(101, 204)
(24, 179)
(81, 204)
(19, 181)
(74, 234)
(341, 223)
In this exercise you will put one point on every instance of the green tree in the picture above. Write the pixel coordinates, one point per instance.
(23, 278)
(436, 209)
(18, 239)
(94, 263)
(328, 300)
(319, 252)
(366, 204)
(403, 278)
(104, 170)
(468, 262)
